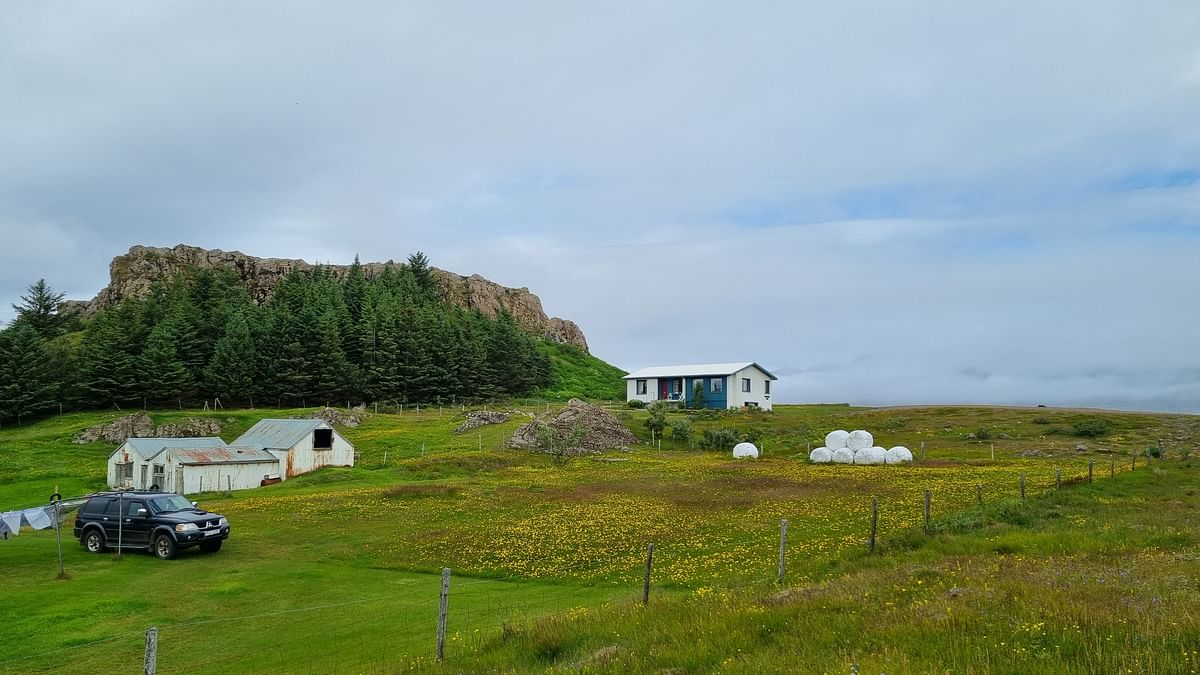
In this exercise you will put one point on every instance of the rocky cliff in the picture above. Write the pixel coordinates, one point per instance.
(131, 276)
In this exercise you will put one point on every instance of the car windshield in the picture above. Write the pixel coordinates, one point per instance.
(170, 503)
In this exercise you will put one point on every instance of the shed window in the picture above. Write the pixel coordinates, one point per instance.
(767, 385)
(718, 385)
(323, 439)
(746, 385)
(641, 388)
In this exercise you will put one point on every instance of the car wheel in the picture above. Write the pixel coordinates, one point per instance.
(93, 541)
(211, 546)
(164, 547)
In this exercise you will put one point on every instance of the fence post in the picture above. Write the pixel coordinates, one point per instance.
(1162, 452)
(1113, 470)
(1058, 479)
(993, 451)
(646, 583)
(150, 660)
(979, 493)
(927, 511)
(1134, 453)
(443, 606)
(874, 523)
(1022, 486)
(922, 451)
(782, 549)
(1091, 463)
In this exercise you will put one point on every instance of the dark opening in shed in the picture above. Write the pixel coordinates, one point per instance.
(322, 439)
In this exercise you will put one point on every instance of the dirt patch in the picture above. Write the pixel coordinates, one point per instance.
(598, 429)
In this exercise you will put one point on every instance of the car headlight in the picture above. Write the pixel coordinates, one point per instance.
(186, 527)
(222, 522)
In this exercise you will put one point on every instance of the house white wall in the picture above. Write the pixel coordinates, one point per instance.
(758, 389)
(302, 458)
(651, 390)
(235, 476)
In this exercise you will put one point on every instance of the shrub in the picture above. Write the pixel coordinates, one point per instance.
(681, 430)
(1042, 420)
(658, 417)
(636, 403)
(1091, 428)
(1151, 451)
(983, 434)
(723, 438)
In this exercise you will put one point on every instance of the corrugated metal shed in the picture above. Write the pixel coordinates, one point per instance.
(222, 455)
(145, 448)
(278, 434)
(696, 370)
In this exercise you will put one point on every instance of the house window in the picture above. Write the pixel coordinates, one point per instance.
(767, 390)
(718, 385)
(322, 439)
(641, 388)
(158, 475)
(746, 385)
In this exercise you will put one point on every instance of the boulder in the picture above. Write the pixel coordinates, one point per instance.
(481, 418)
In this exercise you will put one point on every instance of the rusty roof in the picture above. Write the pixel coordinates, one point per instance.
(279, 434)
(146, 448)
(232, 454)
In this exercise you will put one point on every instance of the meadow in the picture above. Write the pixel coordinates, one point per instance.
(339, 570)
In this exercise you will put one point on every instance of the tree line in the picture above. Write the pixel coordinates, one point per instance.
(317, 338)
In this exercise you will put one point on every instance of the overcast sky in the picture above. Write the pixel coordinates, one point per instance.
(880, 202)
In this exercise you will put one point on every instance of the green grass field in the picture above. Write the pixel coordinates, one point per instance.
(338, 571)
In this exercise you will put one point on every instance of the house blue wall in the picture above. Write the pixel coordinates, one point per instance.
(711, 399)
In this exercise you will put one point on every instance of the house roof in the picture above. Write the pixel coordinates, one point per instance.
(145, 448)
(222, 455)
(278, 434)
(696, 370)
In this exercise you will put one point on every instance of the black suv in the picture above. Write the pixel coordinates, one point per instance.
(159, 522)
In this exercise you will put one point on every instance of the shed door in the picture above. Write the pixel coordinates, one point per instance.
(179, 479)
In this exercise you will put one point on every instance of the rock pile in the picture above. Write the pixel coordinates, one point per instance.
(599, 429)
(139, 425)
(857, 447)
(481, 418)
(336, 417)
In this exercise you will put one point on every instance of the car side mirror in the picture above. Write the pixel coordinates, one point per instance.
(195, 504)
(142, 513)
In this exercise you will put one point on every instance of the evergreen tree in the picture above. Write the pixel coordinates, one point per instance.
(162, 376)
(39, 310)
(107, 358)
(231, 373)
(422, 274)
(27, 382)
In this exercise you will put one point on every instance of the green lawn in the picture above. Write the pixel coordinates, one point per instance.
(339, 570)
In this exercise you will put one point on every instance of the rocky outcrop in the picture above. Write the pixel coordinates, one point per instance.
(132, 275)
(481, 418)
(139, 425)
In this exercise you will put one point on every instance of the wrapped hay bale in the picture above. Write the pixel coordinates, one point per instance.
(843, 456)
(745, 450)
(859, 440)
(836, 439)
(872, 455)
(821, 456)
(899, 454)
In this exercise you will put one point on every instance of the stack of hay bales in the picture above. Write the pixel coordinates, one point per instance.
(856, 447)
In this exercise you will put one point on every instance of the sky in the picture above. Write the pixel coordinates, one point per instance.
(881, 203)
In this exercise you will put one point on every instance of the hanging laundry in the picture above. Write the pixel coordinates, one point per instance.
(12, 521)
(40, 518)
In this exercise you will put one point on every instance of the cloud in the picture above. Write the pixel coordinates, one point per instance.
(882, 202)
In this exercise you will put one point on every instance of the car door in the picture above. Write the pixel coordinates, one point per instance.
(137, 523)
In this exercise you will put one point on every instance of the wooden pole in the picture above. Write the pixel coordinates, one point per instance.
(1112, 473)
(979, 493)
(443, 608)
(922, 451)
(646, 583)
(1022, 486)
(1134, 464)
(1058, 479)
(782, 549)
(928, 495)
(1162, 452)
(874, 523)
(150, 659)
(993, 451)
(62, 570)
(1091, 464)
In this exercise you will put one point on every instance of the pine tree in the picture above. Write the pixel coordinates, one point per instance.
(231, 373)
(108, 375)
(162, 376)
(27, 383)
(39, 310)
(422, 274)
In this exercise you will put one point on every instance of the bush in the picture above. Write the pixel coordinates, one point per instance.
(983, 434)
(636, 403)
(1090, 428)
(681, 431)
(658, 418)
(1042, 420)
(723, 438)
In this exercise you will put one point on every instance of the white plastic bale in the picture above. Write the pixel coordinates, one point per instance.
(836, 439)
(898, 455)
(821, 456)
(859, 439)
(873, 455)
(745, 450)
(843, 456)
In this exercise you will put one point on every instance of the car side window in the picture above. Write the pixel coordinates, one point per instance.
(114, 508)
(97, 506)
(132, 509)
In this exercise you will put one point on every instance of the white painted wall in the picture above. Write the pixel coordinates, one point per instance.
(651, 390)
(243, 476)
(302, 458)
(758, 388)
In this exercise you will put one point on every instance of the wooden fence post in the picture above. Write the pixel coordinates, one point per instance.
(1091, 464)
(922, 451)
(150, 658)
(1113, 470)
(993, 451)
(927, 511)
(874, 522)
(443, 607)
(782, 549)
(1022, 486)
(1058, 479)
(1134, 465)
(979, 493)
(646, 583)
(1162, 452)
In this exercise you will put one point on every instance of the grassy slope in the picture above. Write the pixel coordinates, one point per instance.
(538, 537)
(581, 375)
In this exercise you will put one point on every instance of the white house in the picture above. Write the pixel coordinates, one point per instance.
(722, 385)
(136, 463)
(299, 445)
(188, 465)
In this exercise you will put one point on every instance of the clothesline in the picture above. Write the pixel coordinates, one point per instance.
(37, 518)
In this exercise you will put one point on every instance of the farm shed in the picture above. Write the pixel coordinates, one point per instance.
(137, 463)
(721, 385)
(299, 445)
(191, 470)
